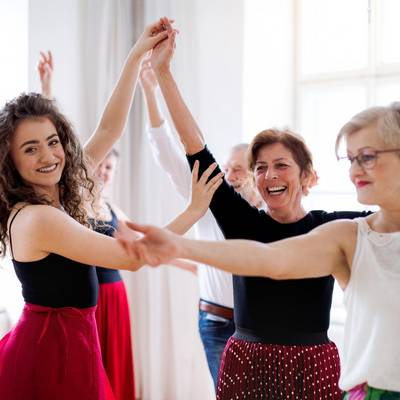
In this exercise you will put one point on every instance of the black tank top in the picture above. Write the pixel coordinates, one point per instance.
(106, 275)
(56, 281)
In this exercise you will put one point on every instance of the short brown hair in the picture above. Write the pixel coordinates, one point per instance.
(292, 141)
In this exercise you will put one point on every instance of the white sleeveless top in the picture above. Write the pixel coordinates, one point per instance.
(371, 350)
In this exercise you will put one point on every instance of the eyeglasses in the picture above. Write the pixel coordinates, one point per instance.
(367, 158)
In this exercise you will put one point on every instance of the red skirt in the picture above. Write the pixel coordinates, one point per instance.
(53, 353)
(113, 324)
(276, 372)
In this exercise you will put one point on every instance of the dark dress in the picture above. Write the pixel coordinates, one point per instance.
(113, 324)
(280, 349)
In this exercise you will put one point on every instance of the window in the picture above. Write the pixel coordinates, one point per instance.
(347, 59)
(310, 65)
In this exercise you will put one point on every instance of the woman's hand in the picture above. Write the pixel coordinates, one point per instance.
(148, 80)
(46, 68)
(157, 246)
(203, 189)
(151, 36)
(162, 53)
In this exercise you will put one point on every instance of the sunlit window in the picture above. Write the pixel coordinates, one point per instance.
(348, 59)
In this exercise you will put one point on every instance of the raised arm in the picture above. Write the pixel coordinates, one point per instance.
(184, 122)
(165, 150)
(328, 250)
(202, 191)
(45, 69)
(115, 114)
(52, 231)
(149, 86)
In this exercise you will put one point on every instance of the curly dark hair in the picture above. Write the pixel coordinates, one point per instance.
(75, 182)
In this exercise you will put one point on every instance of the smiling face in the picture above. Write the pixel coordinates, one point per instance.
(278, 179)
(379, 185)
(236, 170)
(38, 154)
(106, 169)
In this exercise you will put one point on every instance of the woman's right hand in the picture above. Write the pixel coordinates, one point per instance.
(203, 189)
(151, 36)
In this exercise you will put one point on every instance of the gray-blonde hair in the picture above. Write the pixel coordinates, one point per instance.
(386, 120)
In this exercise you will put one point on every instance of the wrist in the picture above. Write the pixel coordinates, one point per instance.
(194, 213)
(184, 247)
(149, 91)
(162, 72)
(46, 89)
(136, 54)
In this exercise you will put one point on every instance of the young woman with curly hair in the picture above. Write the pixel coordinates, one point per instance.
(46, 191)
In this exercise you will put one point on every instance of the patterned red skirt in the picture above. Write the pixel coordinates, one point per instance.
(53, 353)
(263, 371)
(113, 324)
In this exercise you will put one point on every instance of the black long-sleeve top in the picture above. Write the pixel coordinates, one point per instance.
(287, 312)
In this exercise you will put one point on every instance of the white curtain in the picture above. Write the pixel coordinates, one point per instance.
(170, 362)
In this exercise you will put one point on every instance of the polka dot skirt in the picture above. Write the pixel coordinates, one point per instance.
(263, 371)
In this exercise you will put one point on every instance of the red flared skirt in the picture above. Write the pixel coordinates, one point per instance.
(275, 372)
(113, 324)
(53, 353)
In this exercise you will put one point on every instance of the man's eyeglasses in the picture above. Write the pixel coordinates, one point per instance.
(367, 158)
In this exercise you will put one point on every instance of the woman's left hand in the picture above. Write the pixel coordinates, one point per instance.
(203, 189)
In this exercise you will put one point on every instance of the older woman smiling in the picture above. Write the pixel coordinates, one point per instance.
(280, 348)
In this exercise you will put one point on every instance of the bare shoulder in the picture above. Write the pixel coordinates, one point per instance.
(341, 230)
(31, 216)
(27, 223)
(35, 210)
(344, 235)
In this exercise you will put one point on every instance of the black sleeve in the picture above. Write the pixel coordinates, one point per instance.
(234, 215)
(332, 216)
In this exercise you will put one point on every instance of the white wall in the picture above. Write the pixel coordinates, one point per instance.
(219, 72)
(14, 48)
(268, 74)
(208, 64)
(13, 81)
(56, 25)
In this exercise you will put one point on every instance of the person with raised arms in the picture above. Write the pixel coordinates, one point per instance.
(362, 255)
(47, 193)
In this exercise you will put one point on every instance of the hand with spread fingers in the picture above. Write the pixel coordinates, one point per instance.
(203, 188)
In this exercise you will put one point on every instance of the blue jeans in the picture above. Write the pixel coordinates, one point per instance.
(214, 332)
